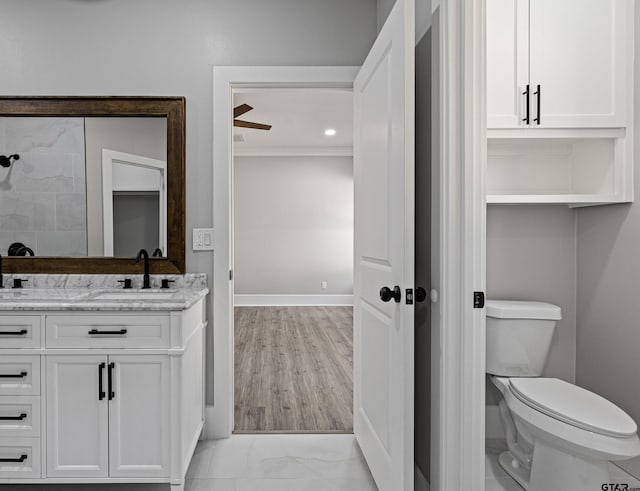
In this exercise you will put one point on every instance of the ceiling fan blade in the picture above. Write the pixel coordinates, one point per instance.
(248, 124)
(241, 109)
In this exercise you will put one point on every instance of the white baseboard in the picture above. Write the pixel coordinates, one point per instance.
(211, 431)
(420, 482)
(493, 422)
(286, 300)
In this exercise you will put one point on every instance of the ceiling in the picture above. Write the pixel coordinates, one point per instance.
(299, 118)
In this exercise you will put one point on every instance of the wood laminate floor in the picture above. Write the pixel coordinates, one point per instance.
(293, 369)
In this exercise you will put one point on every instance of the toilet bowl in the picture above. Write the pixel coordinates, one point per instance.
(560, 436)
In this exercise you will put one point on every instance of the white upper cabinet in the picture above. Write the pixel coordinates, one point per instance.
(507, 61)
(559, 63)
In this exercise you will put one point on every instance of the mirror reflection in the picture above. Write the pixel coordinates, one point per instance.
(83, 186)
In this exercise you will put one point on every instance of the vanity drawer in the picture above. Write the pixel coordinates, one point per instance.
(107, 331)
(19, 457)
(19, 331)
(19, 416)
(19, 375)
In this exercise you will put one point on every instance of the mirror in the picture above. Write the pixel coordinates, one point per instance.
(85, 182)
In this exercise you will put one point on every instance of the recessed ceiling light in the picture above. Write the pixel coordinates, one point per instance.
(330, 132)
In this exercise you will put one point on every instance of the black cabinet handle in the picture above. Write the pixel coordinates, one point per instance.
(527, 97)
(22, 458)
(21, 332)
(120, 332)
(14, 418)
(101, 393)
(539, 94)
(13, 375)
(387, 294)
(112, 394)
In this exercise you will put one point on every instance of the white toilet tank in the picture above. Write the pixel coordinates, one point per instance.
(519, 336)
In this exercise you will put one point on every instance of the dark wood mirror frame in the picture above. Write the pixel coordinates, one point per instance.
(172, 108)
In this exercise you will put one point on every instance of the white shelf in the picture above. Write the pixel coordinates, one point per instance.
(567, 199)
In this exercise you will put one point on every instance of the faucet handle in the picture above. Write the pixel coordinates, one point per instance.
(18, 282)
(166, 281)
(126, 283)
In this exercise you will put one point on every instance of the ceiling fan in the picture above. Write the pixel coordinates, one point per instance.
(242, 109)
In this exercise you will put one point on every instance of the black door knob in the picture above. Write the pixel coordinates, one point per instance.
(387, 294)
(421, 294)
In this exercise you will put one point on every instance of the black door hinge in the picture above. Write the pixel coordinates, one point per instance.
(478, 300)
(409, 296)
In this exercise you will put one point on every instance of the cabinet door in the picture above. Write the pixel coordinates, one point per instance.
(139, 416)
(77, 417)
(579, 55)
(507, 62)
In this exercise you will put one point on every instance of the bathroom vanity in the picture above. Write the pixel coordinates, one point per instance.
(101, 385)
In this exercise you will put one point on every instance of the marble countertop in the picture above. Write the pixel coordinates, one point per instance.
(107, 299)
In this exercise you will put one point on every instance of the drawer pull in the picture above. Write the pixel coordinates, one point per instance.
(120, 332)
(13, 375)
(22, 458)
(21, 332)
(14, 418)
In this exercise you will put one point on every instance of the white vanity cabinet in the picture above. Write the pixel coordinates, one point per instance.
(101, 396)
(559, 63)
(114, 412)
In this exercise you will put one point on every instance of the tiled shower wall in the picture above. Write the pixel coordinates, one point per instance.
(43, 195)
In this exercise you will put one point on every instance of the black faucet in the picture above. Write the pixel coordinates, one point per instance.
(1, 284)
(157, 252)
(145, 279)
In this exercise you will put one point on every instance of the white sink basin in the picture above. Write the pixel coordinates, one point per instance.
(135, 295)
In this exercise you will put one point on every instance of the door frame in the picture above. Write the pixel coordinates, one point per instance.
(458, 418)
(219, 417)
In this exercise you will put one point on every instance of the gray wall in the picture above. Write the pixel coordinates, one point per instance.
(293, 223)
(531, 255)
(163, 47)
(135, 223)
(422, 319)
(384, 8)
(139, 136)
(608, 283)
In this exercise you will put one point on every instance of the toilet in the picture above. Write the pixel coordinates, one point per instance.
(559, 436)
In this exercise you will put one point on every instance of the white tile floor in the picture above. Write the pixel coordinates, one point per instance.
(496, 479)
(279, 463)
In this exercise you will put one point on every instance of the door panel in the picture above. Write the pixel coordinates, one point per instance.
(578, 57)
(384, 189)
(507, 62)
(139, 416)
(77, 431)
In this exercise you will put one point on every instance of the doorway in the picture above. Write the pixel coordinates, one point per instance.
(292, 222)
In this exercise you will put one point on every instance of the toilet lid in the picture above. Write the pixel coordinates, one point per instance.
(573, 405)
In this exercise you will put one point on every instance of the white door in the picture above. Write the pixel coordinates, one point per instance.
(578, 57)
(507, 63)
(77, 431)
(139, 416)
(384, 243)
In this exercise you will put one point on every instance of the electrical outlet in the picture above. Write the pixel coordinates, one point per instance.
(323, 285)
(202, 239)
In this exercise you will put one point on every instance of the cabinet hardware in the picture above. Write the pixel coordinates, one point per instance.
(538, 93)
(408, 296)
(13, 375)
(101, 393)
(112, 394)
(478, 300)
(387, 293)
(14, 418)
(120, 332)
(22, 458)
(21, 332)
(526, 93)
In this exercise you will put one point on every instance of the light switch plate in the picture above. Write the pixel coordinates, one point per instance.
(202, 239)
